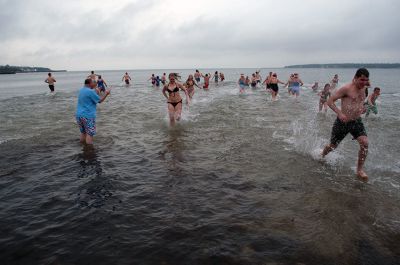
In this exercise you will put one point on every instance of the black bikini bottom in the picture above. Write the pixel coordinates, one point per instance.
(174, 103)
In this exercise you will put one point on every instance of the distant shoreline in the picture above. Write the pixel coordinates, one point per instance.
(347, 65)
(8, 69)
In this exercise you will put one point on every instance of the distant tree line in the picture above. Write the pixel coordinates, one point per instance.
(9, 69)
(347, 65)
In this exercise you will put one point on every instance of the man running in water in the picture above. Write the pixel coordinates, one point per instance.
(348, 119)
(197, 76)
(267, 82)
(164, 79)
(258, 77)
(126, 78)
(50, 80)
(92, 76)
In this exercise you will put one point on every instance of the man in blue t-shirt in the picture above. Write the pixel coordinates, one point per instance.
(86, 110)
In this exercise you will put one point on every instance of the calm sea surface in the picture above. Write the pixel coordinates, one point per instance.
(237, 181)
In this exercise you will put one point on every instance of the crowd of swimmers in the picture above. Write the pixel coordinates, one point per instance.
(354, 97)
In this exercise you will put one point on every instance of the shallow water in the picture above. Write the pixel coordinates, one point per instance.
(237, 181)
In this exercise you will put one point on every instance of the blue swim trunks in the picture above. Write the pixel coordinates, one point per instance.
(296, 90)
(87, 125)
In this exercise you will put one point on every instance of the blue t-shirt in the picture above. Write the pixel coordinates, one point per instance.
(87, 101)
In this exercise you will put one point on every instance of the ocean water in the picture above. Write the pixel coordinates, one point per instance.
(237, 181)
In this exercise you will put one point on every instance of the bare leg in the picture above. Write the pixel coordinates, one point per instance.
(362, 156)
(178, 111)
(321, 104)
(329, 148)
(83, 138)
(89, 139)
(171, 113)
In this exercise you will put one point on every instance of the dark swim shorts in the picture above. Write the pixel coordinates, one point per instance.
(341, 129)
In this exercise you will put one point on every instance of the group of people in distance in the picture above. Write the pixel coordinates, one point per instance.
(354, 97)
(156, 81)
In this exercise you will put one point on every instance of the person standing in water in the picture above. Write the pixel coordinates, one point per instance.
(174, 100)
(273, 83)
(86, 110)
(189, 84)
(50, 81)
(126, 78)
(348, 119)
(370, 104)
(323, 97)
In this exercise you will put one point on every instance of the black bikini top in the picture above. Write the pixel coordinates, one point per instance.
(176, 89)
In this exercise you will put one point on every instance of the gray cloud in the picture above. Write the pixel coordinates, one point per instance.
(146, 34)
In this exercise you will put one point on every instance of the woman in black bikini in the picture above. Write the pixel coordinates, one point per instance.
(174, 100)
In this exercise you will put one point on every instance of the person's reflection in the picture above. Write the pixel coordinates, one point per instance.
(89, 163)
(174, 146)
(96, 191)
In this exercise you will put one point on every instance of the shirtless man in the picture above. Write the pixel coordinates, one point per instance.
(92, 76)
(197, 76)
(348, 120)
(126, 78)
(258, 77)
(50, 80)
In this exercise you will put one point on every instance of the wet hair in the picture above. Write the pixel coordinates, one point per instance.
(88, 81)
(326, 85)
(49, 74)
(376, 89)
(92, 72)
(99, 76)
(216, 72)
(175, 75)
(362, 72)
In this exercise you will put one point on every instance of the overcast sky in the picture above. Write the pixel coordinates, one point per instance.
(145, 34)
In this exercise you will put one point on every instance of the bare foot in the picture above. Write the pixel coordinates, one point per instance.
(362, 175)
